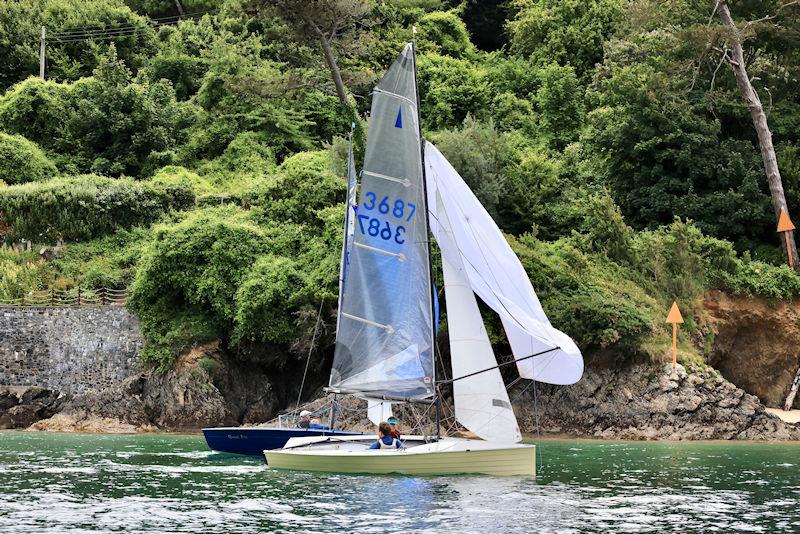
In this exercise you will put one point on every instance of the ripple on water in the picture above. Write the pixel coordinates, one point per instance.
(62, 483)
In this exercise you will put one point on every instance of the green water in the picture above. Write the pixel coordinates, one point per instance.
(170, 483)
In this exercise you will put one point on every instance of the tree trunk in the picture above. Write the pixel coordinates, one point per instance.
(753, 102)
(341, 90)
(179, 6)
(792, 392)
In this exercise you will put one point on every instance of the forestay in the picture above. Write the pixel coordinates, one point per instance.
(481, 401)
(497, 276)
(349, 224)
(385, 338)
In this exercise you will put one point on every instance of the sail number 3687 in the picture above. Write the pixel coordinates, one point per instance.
(375, 227)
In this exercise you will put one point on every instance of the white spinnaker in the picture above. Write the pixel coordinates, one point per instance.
(497, 276)
(481, 401)
(378, 410)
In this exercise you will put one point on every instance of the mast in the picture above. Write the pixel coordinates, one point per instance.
(437, 397)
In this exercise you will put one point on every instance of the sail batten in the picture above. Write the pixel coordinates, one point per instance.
(384, 344)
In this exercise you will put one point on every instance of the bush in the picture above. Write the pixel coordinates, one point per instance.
(22, 272)
(22, 161)
(86, 206)
(588, 297)
(106, 124)
(273, 286)
(216, 275)
(452, 89)
(20, 22)
(445, 33)
(479, 153)
(304, 183)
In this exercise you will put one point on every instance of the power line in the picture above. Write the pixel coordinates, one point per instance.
(156, 20)
(120, 31)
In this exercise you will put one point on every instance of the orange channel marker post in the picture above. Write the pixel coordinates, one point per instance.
(674, 316)
(785, 226)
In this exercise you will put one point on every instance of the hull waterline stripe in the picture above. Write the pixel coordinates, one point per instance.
(405, 181)
(386, 327)
(400, 256)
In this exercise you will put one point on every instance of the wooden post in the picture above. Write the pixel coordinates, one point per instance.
(42, 48)
(674, 316)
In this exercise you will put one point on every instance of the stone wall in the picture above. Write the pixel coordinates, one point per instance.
(72, 349)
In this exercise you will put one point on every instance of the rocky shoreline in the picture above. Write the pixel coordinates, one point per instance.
(639, 402)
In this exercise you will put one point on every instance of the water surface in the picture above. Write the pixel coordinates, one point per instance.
(172, 483)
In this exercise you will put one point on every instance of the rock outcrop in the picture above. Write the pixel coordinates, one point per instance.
(22, 406)
(652, 402)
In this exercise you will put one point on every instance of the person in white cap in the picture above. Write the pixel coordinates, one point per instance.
(305, 419)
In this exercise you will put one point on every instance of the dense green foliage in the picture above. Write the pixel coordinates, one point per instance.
(198, 163)
(22, 161)
(84, 207)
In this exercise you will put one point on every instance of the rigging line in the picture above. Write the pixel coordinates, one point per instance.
(498, 366)
(310, 350)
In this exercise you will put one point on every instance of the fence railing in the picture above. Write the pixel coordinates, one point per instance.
(70, 297)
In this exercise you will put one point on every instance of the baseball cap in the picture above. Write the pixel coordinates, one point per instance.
(304, 413)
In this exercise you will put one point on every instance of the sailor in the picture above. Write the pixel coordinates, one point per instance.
(393, 424)
(305, 419)
(385, 439)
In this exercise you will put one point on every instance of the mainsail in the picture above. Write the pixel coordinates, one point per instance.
(497, 276)
(384, 346)
(481, 400)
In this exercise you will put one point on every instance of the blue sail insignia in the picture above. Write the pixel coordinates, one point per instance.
(398, 123)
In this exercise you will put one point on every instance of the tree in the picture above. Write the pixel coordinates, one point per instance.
(327, 22)
(735, 58)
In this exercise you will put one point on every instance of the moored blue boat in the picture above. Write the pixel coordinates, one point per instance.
(254, 441)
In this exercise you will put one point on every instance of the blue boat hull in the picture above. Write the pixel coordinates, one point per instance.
(254, 441)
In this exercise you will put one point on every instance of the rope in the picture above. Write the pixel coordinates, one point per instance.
(310, 350)
(498, 366)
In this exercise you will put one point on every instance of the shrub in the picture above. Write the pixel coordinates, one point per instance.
(445, 33)
(86, 206)
(478, 152)
(22, 161)
(453, 89)
(304, 183)
(589, 298)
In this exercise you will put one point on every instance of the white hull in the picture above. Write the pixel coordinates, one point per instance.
(448, 456)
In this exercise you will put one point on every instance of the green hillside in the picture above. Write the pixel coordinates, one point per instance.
(198, 162)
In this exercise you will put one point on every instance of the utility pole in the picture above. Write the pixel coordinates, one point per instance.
(42, 46)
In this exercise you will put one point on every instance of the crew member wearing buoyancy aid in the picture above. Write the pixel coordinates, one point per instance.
(385, 439)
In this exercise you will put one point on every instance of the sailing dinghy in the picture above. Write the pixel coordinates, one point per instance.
(386, 325)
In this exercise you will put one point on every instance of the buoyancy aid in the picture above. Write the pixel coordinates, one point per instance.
(394, 445)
